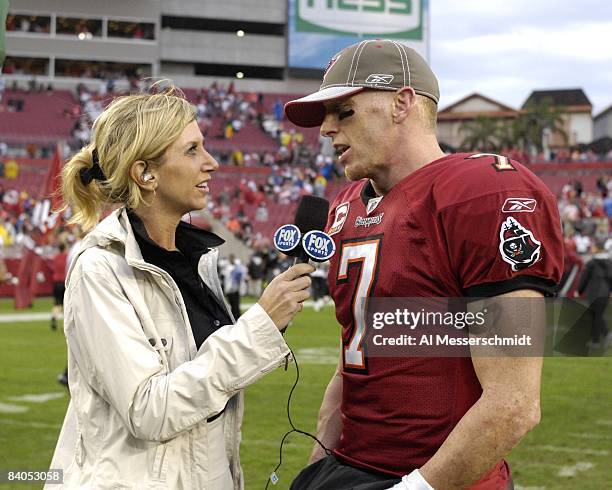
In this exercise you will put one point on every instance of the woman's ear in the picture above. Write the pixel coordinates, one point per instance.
(140, 173)
(403, 103)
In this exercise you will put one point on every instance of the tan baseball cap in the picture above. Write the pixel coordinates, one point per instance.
(378, 64)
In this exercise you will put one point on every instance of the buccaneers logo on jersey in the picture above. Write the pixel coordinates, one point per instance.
(518, 247)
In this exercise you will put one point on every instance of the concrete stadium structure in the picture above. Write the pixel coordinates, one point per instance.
(194, 42)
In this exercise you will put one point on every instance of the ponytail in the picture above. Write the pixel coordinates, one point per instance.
(86, 200)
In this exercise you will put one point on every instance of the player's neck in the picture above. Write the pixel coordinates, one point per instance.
(412, 157)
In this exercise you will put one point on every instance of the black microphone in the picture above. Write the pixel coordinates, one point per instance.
(305, 239)
(311, 216)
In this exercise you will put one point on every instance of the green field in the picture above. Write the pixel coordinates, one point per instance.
(570, 449)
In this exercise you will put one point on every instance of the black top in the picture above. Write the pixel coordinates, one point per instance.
(206, 313)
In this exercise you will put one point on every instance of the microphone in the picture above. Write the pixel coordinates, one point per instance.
(305, 239)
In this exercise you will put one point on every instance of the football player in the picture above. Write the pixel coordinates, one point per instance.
(415, 222)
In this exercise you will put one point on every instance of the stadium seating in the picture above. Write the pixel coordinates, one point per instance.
(42, 119)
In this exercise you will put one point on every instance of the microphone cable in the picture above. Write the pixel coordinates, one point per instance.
(273, 476)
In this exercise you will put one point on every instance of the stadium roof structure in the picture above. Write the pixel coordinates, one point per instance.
(572, 97)
(474, 105)
(603, 113)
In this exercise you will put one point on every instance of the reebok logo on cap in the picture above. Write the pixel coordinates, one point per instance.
(376, 78)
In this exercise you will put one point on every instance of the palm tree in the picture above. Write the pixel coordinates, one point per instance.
(533, 122)
(480, 134)
(508, 133)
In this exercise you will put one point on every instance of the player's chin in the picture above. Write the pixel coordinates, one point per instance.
(354, 172)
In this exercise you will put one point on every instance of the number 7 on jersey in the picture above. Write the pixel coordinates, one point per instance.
(363, 254)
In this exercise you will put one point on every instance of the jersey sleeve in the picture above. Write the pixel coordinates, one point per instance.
(505, 240)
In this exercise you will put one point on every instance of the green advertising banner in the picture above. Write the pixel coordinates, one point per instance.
(320, 28)
(399, 19)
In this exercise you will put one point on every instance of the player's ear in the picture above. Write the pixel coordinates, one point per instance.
(404, 102)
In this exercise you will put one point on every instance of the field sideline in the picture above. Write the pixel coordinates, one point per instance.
(570, 449)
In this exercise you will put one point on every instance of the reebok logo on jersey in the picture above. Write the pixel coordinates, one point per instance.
(517, 245)
(369, 221)
(379, 79)
(519, 205)
(342, 211)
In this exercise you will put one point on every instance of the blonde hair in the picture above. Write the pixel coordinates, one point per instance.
(133, 127)
(428, 111)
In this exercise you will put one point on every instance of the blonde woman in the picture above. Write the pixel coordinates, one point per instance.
(156, 362)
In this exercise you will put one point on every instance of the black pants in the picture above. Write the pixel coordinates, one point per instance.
(59, 289)
(234, 301)
(598, 327)
(331, 474)
(318, 287)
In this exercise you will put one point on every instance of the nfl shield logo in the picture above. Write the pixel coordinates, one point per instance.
(517, 245)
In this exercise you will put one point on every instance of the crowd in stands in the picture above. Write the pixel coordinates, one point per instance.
(24, 222)
(28, 23)
(587, 216)
(285, 185)
(577, 154)
(16, 65)
(131, 30)
(84, 28)
(293, 167)
(41, 24)
(235, 109)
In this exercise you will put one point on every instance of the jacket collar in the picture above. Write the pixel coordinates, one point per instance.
(189, 238)
(116, 229)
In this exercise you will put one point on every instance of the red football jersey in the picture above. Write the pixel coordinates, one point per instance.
(464, 225)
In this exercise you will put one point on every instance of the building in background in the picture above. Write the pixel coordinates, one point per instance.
(602, 124)
(268, 46)
(575, 109)
(194, 42)
(453, 119)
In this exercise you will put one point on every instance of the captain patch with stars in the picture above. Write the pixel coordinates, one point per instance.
(517, 245)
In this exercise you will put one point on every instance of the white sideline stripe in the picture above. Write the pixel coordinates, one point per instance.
(317, 355)
(40, 398)
(35, 317)
(520, 487)
(579, 450)
(588, 435)
(569, 471)
(35, 425)
(296, 442)
(603, 422)
(9, 408)
(24, 317)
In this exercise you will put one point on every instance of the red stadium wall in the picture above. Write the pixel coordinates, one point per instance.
(42, 271)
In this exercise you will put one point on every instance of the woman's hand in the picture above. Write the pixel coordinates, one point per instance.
(283, 297)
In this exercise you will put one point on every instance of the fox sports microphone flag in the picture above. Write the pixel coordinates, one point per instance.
(287, 239)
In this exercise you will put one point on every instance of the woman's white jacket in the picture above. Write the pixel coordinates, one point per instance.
(141, 391)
